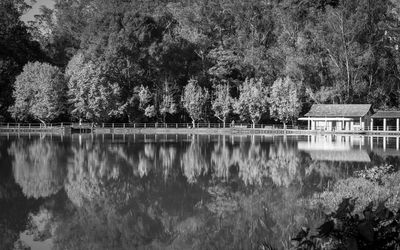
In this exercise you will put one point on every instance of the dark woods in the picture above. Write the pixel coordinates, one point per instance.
(132, 60)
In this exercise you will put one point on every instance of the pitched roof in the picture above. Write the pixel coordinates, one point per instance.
(339, 110)
(386, 114)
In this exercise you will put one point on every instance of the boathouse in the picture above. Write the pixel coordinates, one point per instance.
(339, 117)
(386, 117)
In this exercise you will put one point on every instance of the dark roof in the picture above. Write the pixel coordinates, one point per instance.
(387, 114)
(339, 110)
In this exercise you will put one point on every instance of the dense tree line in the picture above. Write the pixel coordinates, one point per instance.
(201, 60)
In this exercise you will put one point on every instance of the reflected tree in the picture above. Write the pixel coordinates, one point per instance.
(38, 166)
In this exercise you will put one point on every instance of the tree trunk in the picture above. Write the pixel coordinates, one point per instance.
(254, 123)
(346, 53)
(224, 121)
(44, 123)
(193, 123)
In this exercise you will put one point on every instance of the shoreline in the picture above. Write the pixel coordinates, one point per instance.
(66, 130)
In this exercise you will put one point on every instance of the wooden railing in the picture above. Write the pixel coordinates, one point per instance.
(149, 125)
(202, 125)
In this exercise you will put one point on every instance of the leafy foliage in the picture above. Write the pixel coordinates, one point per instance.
(92, 96)
(194, 100)
(377, 229)
(222, 103)
(345, 228)
(16, 49)
(252, 103)
(40, 93)
(284, 100)
(342, 51)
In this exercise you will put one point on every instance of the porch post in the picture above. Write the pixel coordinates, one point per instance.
(384, 143)
(397, 124)
(361, 125)
(372, 124)
(384, 124)
(308, 124)
(372, 142)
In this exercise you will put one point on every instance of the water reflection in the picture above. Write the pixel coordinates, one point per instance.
(179, 191)
(335, 148)
(38, 166)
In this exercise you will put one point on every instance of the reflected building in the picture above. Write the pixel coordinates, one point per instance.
(335, 148)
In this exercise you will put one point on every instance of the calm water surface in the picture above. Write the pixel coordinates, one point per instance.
(170, 191)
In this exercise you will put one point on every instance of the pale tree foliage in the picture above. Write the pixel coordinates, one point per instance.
(145, 102)
(39, 93)
(222, 104)
(194, 100)
(323, 95)
(168, 104)
(92, 95)
(284, 100)
(253, 100)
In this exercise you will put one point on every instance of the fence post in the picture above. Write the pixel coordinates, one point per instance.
(29, 125)
(62, 125)
(176, 125)
(145, 125)
(8, 125)
(134, 125)
(102, 124)
(19, 125)
(113, 125)
(124, 125)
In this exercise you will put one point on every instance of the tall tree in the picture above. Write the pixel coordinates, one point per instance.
(16, 49)
(40, 93)
(194, 100)
(352, 45)
(284, 100)
(222, 103)
(147, 102)
(252, 103)
(91, 93)
(168, 103)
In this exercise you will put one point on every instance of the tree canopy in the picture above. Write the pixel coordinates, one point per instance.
(194, 100)
(284, 100)
(39, 93)
(253, 100)
(342, 51)
(17, 48)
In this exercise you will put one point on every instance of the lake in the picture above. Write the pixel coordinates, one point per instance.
(171, 191)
